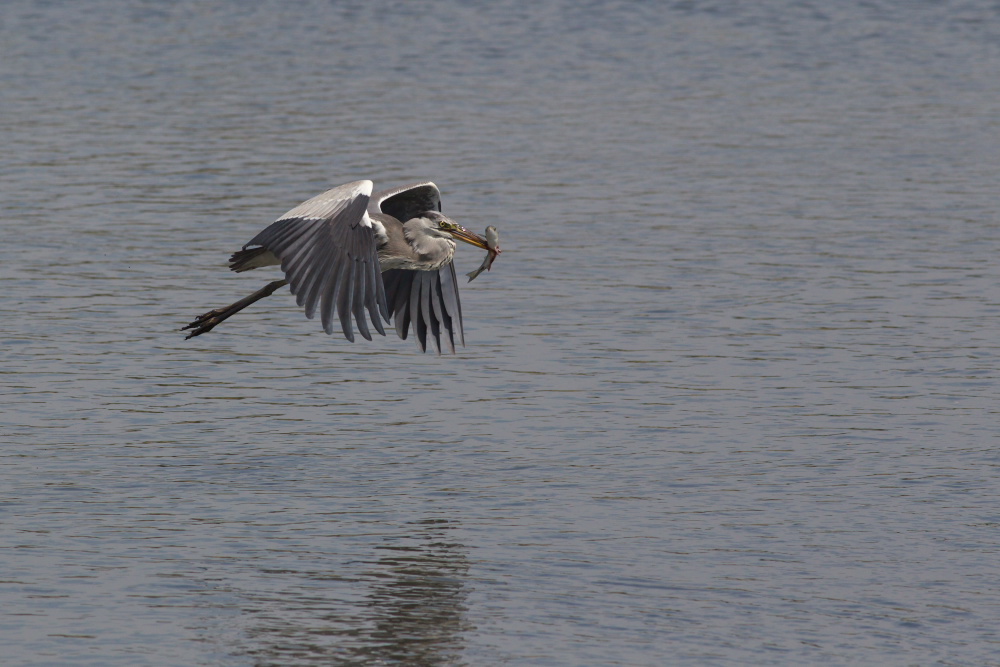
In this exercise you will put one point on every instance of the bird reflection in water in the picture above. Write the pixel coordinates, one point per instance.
(417, 604)
(413, 612)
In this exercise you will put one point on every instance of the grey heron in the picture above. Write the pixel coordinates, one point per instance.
(348, 250)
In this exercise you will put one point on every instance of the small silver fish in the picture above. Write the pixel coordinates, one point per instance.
(493, 241)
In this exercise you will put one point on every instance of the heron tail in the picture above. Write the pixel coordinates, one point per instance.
(253, 258)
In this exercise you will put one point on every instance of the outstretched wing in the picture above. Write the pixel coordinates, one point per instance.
(429, 301)
(327, 250)
(407, 201)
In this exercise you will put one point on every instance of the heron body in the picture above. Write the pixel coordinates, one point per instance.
(348, 251)
(417, 245)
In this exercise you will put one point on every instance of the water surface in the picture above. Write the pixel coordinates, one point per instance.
(729, 395)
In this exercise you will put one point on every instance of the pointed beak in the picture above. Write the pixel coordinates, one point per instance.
(472, 238)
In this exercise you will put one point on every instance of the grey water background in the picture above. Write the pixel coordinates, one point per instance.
(729, 395)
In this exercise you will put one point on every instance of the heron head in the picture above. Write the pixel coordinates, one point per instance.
(446, 224)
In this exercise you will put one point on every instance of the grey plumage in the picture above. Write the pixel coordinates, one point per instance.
(348, 251)
(427, 300)
(325, 251)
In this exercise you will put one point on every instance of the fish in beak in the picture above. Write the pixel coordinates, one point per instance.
(493, 249)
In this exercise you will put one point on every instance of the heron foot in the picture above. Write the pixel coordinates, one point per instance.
(205, 323)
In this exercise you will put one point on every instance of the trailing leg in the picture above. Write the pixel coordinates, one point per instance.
(205, 323)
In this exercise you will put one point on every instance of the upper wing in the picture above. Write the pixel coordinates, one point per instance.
(327, 251)
(407, 201)
(429, 301)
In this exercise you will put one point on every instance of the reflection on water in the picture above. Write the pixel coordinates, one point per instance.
(416, 602)
(412, 614)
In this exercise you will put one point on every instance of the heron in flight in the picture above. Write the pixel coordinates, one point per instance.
(348, 250)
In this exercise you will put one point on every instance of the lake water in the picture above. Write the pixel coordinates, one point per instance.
(729, 395)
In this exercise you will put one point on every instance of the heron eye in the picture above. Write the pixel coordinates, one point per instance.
(450, 226)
